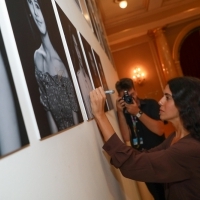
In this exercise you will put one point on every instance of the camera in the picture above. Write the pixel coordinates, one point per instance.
(127, 98)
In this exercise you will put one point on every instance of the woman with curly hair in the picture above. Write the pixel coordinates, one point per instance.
(176, 161)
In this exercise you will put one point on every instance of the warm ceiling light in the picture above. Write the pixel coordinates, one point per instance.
(122, 3)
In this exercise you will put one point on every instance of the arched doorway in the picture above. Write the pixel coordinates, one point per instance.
(189, 53)
(185, 35)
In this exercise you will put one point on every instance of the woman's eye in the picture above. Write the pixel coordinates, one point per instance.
(168, 98)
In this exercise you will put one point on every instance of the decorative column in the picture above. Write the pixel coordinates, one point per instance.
(164, 53)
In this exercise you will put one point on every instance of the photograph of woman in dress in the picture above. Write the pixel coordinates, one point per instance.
(13, 135)
(78, 61)
(56, 91)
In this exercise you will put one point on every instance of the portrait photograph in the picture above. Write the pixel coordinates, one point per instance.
(45, 65)
(90, 60)
(93, 19)
(79, 65)
(87, 50)
(85, 12)
(13, 134)
(103, 79)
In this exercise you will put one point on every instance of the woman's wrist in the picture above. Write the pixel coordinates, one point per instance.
(100, 116)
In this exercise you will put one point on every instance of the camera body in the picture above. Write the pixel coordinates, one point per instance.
(127, 98)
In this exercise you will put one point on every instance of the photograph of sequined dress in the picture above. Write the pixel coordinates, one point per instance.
(58, 97)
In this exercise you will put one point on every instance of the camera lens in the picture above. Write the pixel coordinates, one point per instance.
(127, 98)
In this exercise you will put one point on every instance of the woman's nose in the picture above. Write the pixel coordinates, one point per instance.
(160, 102)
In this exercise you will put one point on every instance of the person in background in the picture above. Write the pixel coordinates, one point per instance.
(176, 161)
(139, 124)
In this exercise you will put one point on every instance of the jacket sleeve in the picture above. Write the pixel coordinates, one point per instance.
(160, 164)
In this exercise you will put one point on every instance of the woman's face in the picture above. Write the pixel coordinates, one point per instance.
(37, 15)
(168, 110)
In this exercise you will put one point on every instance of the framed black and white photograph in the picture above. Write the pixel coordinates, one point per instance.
(98, 27)
(90, 61)
(79, 65)
(13, 134)
(91, 12)
(89, 58)
(45, 65)
(103, 79)
(85, 12)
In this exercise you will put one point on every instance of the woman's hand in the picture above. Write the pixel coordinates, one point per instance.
(98, 98)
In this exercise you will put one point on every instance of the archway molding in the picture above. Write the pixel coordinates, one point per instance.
(179, 39)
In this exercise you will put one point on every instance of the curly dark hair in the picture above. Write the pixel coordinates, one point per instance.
(186, 94)
(124, 84)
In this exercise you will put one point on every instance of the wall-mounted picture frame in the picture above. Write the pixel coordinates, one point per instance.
(91, 64)
(103, 79)
(98, 27)
(92, 16)
(78, 62)
(85, 12)
(45, 65)
(13, 134)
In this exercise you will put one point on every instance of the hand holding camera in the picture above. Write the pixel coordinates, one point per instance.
(127, 98)
(131, 106)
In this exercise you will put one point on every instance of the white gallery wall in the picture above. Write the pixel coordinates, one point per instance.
(68, 165)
